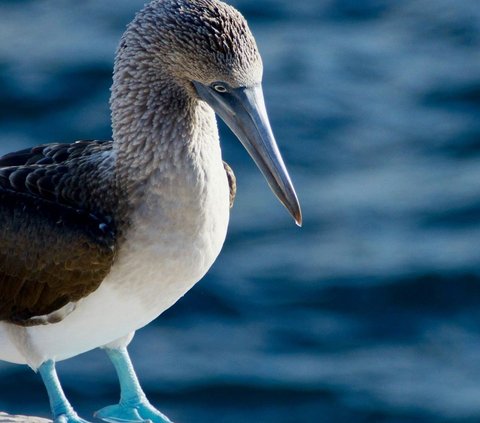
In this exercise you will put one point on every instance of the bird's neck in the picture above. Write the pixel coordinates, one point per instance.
(160, 131)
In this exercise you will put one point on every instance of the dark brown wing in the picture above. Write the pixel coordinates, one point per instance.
(52, 251)
(55, 153)
(232, 182)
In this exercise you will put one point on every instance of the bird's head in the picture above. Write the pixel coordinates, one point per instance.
(210, 52)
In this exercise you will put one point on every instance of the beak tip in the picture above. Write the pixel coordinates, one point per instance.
(299, 219)
(296, 213)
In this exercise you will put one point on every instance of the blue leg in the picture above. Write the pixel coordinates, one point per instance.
(62, 411)
(134, 405)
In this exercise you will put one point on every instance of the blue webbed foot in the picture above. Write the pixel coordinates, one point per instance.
(69, 418)
(148, 411)
(118, 413)
(134, 406)
(143, 412)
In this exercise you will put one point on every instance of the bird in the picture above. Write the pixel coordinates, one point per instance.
(98, 238)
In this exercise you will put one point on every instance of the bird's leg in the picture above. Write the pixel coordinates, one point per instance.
(62, 410)
(134, 405)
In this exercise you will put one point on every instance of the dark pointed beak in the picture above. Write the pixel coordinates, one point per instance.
(243, 110)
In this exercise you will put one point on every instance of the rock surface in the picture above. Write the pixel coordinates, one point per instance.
(7, 418)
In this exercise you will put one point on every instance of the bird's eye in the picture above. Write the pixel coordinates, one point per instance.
(219, 88)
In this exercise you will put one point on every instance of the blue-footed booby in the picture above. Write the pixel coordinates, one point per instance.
(98, 238)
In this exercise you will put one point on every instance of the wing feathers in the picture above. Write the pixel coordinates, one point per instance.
(53, 251)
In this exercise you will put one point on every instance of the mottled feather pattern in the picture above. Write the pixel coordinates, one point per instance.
(54, 249)
(51, 171)
(212, 35)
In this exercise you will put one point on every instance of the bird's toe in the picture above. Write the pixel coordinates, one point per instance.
(141, 413)
(119, 413)
(69, 418)
(149, 412)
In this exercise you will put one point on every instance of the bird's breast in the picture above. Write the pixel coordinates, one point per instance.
(177, 230)
(176, 233)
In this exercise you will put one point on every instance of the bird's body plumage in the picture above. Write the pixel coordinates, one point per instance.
(99, 238)
(145, 261)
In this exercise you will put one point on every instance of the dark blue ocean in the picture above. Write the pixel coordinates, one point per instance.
(369, 313)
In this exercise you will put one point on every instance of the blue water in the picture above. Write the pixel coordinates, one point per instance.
(371, 311)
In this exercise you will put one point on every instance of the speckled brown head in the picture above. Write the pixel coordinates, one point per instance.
(196, 40)
(203, 49)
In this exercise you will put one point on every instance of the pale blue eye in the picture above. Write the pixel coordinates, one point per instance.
(220, 88)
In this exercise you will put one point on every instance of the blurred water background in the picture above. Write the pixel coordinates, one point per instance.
(371, 312)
